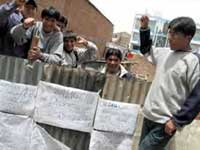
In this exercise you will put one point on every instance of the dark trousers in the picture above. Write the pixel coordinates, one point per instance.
(153, 136)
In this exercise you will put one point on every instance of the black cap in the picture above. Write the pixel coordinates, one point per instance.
(31, 2)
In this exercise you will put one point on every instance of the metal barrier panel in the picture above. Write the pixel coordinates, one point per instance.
(16, 70)
(129, 91)
(74, 139)
(134, 91)
(77, 78)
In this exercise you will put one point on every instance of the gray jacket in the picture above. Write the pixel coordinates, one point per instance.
(79, 55)
(50, 43)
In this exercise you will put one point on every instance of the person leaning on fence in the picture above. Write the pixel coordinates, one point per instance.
(11, 14)
(50, 41)
(113, 66)
(173, 99)
(72, 55)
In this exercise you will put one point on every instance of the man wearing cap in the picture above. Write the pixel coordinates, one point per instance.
(73, 56)
(11, 14)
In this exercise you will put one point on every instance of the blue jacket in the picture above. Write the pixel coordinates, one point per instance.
(190, 108)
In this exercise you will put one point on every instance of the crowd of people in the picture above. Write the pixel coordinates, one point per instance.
(173, 100)
(55, 44)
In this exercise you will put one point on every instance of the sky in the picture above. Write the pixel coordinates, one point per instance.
(121, 12)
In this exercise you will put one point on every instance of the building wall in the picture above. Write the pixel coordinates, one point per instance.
(122, 39)
(84, 18)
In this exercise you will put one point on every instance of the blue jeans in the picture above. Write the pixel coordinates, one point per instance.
(153, 136)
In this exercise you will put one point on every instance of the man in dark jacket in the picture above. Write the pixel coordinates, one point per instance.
(11, 14)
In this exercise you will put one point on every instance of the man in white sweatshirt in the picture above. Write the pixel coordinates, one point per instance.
(173, 99)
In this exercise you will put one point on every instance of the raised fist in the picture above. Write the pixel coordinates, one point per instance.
(29, 22)
(144, 22)
(81, 40)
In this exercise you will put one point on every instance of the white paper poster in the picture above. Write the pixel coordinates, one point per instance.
(110, 141)
(116, 117)
(15, 132)
(41, 140)
(17, 98)
(65, 107)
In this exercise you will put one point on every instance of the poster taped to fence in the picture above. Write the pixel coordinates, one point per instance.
(116, 117)
(17, 98)
(65, 107)
(110, 141)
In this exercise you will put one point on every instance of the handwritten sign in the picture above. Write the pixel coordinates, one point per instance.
(110, 141)
(15, 132)
(17, 98)
(65, 107)
(116, 117)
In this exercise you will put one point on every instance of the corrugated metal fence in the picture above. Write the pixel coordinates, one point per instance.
(16, 70)
(133, 91)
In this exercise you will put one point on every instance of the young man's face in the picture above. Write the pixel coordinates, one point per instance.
(49, 24)
(69, 44)
(29, 10)
(61, 25)
(178, 41)
(113, 64)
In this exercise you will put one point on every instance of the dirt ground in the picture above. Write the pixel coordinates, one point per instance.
(140, 66)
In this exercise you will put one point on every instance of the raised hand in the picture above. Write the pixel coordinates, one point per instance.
(29, 22)
(144, 22)
(81, 40)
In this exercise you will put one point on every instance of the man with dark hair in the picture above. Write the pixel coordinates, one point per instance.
(173, 100)
(11, 14)
(62, 23)
(50, 41)
(113, 66)
(73, 56)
